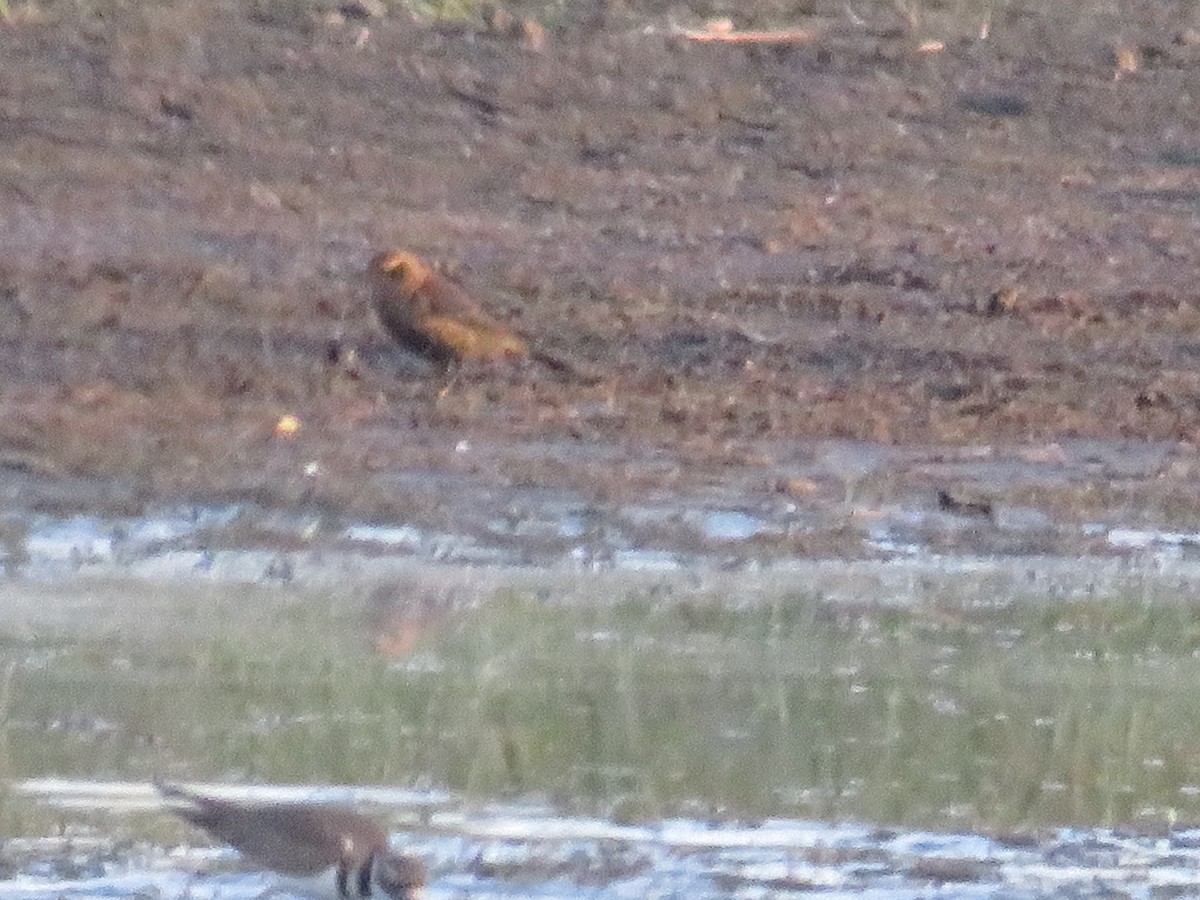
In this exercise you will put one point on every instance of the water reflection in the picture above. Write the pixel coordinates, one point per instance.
(634, 706)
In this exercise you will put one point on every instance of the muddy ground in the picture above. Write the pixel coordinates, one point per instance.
(782, 260)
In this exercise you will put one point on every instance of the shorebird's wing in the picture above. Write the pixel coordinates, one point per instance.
(473, 338)
(293, 838)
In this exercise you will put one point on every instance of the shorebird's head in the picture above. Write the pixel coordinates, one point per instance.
(399, 267)
(400, 876)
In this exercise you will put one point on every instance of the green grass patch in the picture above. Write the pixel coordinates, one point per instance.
(948, 713)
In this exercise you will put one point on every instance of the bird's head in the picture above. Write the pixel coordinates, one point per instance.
(400, 876)
(400, 267)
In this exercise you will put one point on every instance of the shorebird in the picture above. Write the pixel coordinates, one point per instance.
(427, 313)
(316, 850)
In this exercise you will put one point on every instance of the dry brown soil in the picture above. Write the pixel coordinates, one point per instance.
(979, 252)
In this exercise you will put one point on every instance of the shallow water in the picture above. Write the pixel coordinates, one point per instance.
(970, 726)
(924, 691)
(841, 500)
(507, 850)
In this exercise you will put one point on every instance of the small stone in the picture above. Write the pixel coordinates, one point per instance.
(499, 20)
(1002, 301)
(264, 197)
(363, 9)
(533, 34)
(796, 487)
(1125, 61)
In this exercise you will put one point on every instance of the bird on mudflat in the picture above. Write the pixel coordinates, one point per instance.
(431, 315)
(328, 852)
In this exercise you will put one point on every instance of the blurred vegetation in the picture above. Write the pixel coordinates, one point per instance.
(962, 713)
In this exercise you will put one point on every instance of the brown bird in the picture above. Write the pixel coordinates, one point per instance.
(320, 851)
(429, 314)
